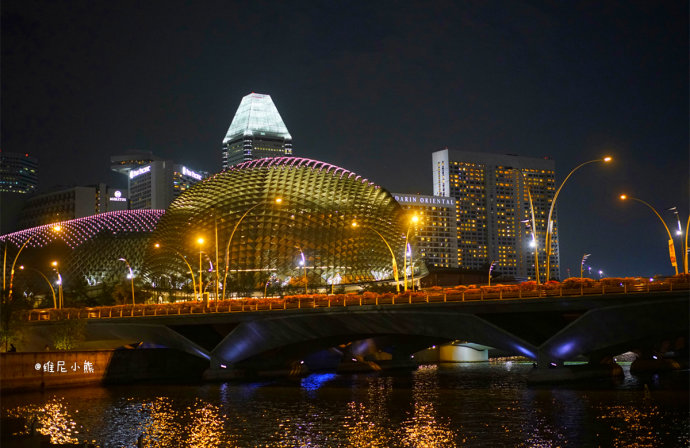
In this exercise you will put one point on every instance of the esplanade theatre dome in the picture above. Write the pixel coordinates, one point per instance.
(277, 219)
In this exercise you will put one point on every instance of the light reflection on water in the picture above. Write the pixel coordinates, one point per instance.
(435, 406)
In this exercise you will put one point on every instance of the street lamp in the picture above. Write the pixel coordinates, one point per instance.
(395, 264)
(200, 242)
(534, 243)
(491, 268)
(413, 220)
(191, 271)
(52, 290)
(679, 232)
(549, 222)
(277, 201)
(131, 277)
(303, 263)
(671, 247)
(56, 228)
(61, 303)
(582, 264)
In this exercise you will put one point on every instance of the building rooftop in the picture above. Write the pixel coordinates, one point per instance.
(257, 115)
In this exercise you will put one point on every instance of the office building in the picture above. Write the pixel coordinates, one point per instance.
(157, 184)
(71, 203)
(256, 131)
(434, 236)
(493, 211)
(18, 173)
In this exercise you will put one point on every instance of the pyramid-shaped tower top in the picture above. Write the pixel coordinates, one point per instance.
(257, 115)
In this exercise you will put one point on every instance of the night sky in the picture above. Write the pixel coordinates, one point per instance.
(374, 87)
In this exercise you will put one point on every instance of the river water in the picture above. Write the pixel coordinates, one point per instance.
(449, 405)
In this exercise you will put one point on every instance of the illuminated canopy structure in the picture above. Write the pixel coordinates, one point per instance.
(87, 249)
(309, 232)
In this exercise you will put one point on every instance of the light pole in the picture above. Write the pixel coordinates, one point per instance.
(395, 263)
(277, 201)
(303, 263)
(413, 220)
(671, 247)
(131, 277)
(582, 264)
(52, 290)
(549, 222)
(679, 232)
(491, 268)
(61, 303)
(56, 228)
(200, 242)
(535, 241)
(191, 271)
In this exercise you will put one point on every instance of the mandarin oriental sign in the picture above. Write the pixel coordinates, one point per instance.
(425, 200)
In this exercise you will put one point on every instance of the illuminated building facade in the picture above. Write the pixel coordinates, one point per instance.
(157, 184)
(256, 131)
(71, 203)
(18, 173)
(493, 212)
(309, 233)
(435, 234)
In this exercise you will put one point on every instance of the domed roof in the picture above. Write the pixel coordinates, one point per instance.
(259, 239)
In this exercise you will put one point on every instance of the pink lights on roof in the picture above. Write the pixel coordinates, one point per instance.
(299, 162)
(77, 231)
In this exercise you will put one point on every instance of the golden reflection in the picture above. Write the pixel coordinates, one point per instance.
(424, 429)
(368, 425)
(632, 427)
(207, 426)
(52, 419)
(161, 425)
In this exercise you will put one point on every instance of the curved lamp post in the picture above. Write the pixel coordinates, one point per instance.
(671, 247)
(535, 241)
(395, 263)
(549, 222)
(303, 263)
(227, 246)
(582, 264)
(200, 242)
(413, 220)
(685, 253)
(61, 303)
(131, 277)
(679, 232)
(56, 228)
(52, 290)
(191, 271)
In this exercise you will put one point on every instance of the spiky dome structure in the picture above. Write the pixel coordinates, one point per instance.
(312, 226)
(87, 249)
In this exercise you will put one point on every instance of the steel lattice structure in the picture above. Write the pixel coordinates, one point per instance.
(312, 225)
(86, 248)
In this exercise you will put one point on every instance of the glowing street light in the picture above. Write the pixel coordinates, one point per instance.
(303, 263)
(61, 302)
(52, 290)
(191, 271)
(671, 247)
(582, 264)
(56, 228)
(200, 242)
(549, 222)
(130, 276)
(408, 251)
(533, 243)
(277, 201)
(491, 268)
(395, 263)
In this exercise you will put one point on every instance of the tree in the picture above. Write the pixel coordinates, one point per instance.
(69, 333)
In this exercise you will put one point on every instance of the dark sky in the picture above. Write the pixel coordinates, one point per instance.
(374, 87)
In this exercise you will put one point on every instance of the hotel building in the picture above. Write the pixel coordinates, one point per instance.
(435, 234)
(493, 211)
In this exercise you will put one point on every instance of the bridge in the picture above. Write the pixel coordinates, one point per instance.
(548, 326)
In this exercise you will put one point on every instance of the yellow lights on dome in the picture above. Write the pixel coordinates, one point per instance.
(354, 223)
(57, 227)
(279, 200)
(54, 264)
(157, 245)
(200, 241)
(608, 159)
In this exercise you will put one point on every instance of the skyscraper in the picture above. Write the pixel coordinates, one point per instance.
(256, 131)
(493, 211)
(18, 173)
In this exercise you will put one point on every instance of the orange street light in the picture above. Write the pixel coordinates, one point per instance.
(394, 262)
(671, 246)
(52, 290)
(191, 271)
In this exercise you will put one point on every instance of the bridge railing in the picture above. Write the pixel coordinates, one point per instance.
(347, 300)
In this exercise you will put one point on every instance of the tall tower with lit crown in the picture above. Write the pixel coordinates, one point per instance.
(256, 131)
